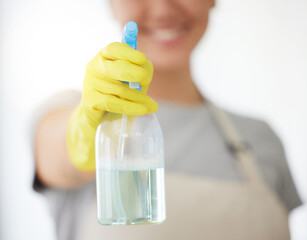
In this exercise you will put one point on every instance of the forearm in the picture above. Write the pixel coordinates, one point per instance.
(53, 165)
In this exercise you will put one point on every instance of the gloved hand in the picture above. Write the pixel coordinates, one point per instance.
(103, 90)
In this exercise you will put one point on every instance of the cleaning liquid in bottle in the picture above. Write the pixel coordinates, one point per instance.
(130, 164)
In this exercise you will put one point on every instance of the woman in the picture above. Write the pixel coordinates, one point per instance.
(226, 175)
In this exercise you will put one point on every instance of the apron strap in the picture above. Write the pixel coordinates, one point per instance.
(246, 160)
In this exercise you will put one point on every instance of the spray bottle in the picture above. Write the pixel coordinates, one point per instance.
(129, 154)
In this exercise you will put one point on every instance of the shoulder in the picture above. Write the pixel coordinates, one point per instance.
(263, 142)
(270, 155)
(257, 132)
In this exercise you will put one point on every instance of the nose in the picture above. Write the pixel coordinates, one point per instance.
(163, 10)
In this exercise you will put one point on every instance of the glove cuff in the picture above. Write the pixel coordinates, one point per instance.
(81, 140)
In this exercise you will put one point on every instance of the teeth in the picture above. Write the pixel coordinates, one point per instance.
(166, 34)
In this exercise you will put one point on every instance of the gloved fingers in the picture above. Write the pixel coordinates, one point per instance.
(122, 51)
(117, 70)
(117, 105)
(124, 71)
(149, 70)
(97, 88)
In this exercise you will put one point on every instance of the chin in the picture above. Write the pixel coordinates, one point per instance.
(169, 63)
(167, 58)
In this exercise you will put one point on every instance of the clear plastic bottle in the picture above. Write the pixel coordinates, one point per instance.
(130, 169)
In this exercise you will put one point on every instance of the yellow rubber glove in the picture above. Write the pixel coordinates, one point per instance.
(103, 90)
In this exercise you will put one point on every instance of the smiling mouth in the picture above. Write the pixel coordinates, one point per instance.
(166, 35)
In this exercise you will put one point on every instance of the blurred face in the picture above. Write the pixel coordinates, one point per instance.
(168, 29)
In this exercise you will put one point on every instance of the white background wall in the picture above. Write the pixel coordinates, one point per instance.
(253, 60)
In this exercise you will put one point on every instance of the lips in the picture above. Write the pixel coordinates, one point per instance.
(166, 35)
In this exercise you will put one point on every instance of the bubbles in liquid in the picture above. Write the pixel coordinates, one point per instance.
(130, 164)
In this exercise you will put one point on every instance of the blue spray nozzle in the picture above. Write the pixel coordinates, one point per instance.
(129, 36)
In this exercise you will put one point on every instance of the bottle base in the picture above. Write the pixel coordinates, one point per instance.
(117, 222)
